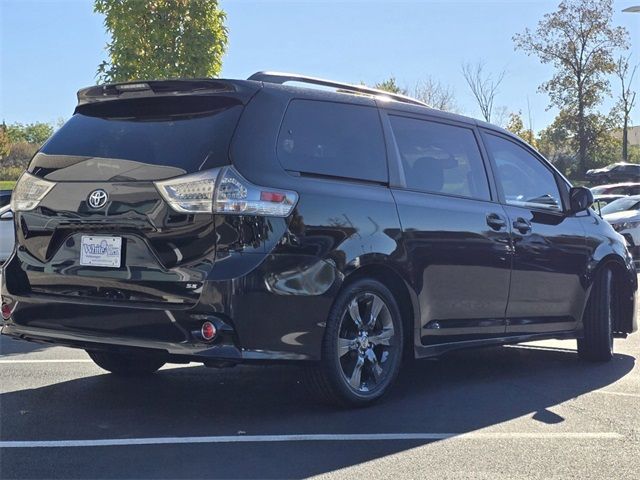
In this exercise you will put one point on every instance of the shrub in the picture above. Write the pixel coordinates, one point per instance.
(10, 173)
(20, 154)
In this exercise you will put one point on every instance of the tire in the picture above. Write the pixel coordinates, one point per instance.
(361, 349)
(597, 342)
(123, 364)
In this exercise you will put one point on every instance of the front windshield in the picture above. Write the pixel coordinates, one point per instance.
(621, 205)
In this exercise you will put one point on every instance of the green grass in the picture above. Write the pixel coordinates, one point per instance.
(7, 184)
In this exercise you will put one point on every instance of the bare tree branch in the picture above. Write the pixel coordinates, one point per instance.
(483, 86)
(626, 99)
(435, 94)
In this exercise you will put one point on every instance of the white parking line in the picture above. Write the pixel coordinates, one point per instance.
(84, 360)
(56, 360)
(621, 394)
(111, 442)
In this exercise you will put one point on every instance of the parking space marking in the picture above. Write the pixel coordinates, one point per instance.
(111, 442)
(84, 360)
(620, 394)
(55, 360)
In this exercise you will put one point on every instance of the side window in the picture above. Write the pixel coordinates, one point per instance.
(440, 158)
(525, 181)
(335, 139)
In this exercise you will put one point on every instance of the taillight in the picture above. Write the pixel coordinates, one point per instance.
(224, 190)
(28, 192)
(234, 194)
(190, 193)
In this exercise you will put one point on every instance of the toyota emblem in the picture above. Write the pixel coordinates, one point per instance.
(97, 198)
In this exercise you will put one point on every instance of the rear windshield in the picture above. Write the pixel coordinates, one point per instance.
(170, 133)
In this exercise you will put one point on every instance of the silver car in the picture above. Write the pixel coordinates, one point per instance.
(624, 217)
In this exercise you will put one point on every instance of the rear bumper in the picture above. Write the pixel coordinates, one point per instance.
(150, 330)
(99, 326)
(173, 334)
(173, 351)
(256, 316)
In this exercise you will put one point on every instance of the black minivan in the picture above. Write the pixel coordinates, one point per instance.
(344, 228)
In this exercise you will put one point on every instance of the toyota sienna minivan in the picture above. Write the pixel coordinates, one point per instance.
(237, 221)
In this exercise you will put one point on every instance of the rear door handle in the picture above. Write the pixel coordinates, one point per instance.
(496, 222)
(522, 225)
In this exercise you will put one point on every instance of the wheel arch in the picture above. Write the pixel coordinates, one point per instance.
(625, 285)
(402, 292)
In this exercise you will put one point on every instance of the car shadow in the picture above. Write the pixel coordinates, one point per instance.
(462, 392)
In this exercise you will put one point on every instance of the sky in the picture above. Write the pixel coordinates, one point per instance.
(51, 48)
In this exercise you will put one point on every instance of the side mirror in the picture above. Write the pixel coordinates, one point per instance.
(8, 215)
(580, 199)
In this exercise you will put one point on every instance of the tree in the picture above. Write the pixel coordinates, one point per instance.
(35, 133)
(578, 39)
(483, 86)
(516, 126)
(604, 147)
(390, 85)
(159, 39)
(428, 90)
(556, 144)
(19, 154)
(500, 116)
(435, 94)
(626, 99)
(559, 141)
(5, 143)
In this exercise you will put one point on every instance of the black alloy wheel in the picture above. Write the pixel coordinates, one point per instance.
(362, 348)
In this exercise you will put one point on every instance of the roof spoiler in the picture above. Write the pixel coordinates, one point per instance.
(159, 88)
(281, 78)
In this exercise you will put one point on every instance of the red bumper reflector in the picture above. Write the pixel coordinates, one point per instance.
(6, 311)
(208, 331)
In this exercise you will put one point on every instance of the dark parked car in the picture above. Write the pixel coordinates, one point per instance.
(228, 221)
(616, 172)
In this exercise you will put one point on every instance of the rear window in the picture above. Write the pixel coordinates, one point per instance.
(333, 139)
(178, 132)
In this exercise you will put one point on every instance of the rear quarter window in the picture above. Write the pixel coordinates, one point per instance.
(333, 139)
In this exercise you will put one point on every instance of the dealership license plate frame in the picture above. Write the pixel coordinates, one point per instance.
(101, 251)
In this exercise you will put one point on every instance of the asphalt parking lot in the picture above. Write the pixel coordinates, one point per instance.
(530, 411)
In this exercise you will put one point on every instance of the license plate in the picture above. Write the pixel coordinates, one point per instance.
(100, 251)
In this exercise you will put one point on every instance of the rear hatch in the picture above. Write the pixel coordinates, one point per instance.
(103, 229)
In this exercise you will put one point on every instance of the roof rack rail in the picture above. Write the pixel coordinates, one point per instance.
(280, 77)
